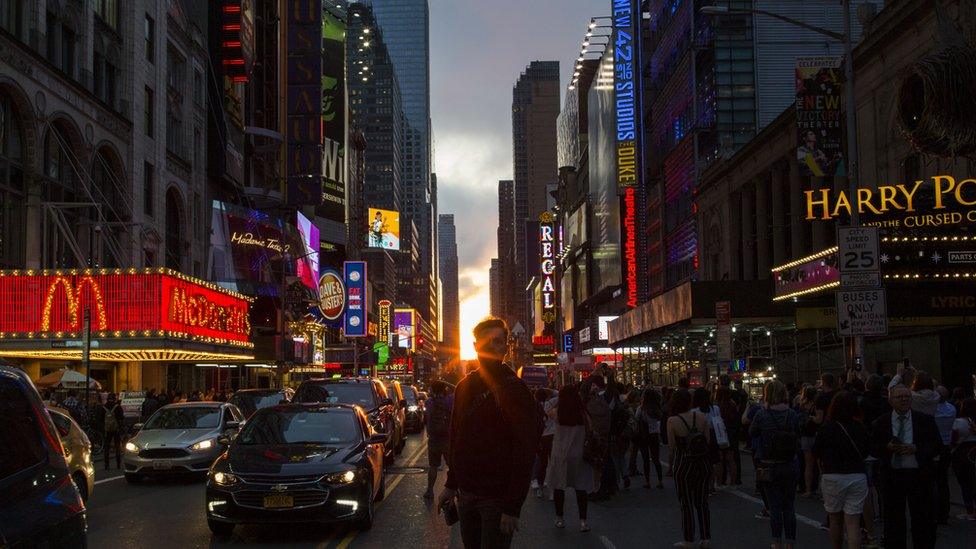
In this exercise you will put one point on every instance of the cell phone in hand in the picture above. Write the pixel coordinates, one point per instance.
(449, 508)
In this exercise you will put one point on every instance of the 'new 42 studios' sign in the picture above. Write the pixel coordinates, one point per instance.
(625, 73)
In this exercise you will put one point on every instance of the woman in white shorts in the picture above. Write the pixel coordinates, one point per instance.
(841, 446)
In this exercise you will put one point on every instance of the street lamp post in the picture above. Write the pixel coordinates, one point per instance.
(846, 38)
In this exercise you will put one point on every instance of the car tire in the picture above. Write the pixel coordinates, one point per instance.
(80, 482)
(220, 529)
(133, 478)
(365, 522)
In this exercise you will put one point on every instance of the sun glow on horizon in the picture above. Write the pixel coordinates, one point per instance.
(475, 306)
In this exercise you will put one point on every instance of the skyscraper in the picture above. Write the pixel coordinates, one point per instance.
(448, 267)
(535, 107)
(495, 289)
(506, 248)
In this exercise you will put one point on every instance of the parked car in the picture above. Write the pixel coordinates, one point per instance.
(39, 504)
(395, 391)
(415, 409)
(298, 463)
(77, 450)
(252, 400)
(369, 394)
(184, 437)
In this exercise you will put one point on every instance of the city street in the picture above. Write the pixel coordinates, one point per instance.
(170, 513)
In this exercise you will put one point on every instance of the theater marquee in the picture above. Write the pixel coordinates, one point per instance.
(147, 315)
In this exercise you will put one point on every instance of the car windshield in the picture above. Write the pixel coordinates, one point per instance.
(360, 394)
(301, 426)
(252, 402)
(410, 395)
(190, 417)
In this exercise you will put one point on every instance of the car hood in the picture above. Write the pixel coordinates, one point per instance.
(286, 459)
(172, 438)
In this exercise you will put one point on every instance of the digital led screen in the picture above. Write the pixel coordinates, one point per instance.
(384, 229)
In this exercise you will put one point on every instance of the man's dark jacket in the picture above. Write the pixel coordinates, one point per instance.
(495, 430)
(928, 442)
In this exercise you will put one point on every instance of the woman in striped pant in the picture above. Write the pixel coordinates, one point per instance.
(688, 437)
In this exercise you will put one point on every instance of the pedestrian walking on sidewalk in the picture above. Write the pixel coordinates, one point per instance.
(776, 428)
(495, 430)
(841, 447)
(548, 403)
(648, 438)
(688, 432)
(438, 418)
(567, 468)
(111, 418)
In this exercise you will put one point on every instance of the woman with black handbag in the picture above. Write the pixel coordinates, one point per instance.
(568, 467)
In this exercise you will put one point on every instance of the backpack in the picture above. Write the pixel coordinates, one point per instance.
(619, 419)
(440, 418)
(695, 443)
(783, 445)
(111, 422)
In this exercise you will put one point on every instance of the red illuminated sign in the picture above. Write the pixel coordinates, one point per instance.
(236, 35)
(543, 340)
(159, 303)
(630, 245)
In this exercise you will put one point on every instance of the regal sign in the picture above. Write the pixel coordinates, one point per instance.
(157, 302)
(547, 256)
(941, 200)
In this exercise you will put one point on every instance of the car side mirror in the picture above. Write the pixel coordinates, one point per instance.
(234, 425)
(137, 427)
(378, 438)
(387, 402)
(224, 440)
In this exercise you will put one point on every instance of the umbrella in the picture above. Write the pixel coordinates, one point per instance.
(65, 378)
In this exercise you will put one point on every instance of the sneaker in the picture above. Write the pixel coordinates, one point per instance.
(560, 523)
(584, 527)
(535, 484)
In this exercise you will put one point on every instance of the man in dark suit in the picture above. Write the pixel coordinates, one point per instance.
(906, 443)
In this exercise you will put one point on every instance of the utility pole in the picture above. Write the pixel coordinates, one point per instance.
(86, 359)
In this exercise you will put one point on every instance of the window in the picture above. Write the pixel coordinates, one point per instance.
(147, 112)
(198, 87)
(148, 186)
(52, 38)
(175, 71)
(12, 231)
(108, 11)
(19, 421)
(150, 32)
(197, 146)
(68, 51)
(106, 77)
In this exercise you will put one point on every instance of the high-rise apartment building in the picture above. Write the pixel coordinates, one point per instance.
(495, 289)
(505, 239)
(448, 267)
(535, 107)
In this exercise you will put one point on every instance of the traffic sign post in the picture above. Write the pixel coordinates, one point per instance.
(858, 257)
(861, 306)
(862, 313)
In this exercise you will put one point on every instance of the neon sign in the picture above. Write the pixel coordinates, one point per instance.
(630, 246)
(547, 255)
(625, 90)
(332, 295)
(123, 303)
(386, 312)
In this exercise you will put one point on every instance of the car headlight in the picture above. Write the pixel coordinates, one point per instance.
(342, 477)
(413, 408)
(224, 479)
(203, 445)
(131, 448)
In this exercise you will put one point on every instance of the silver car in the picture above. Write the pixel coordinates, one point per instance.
(183, 437)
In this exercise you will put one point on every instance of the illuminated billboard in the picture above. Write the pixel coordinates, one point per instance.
(386, 314)
(404, 322)
(334, 132)
(626, 49)
(547, 257)
(303, 102)
(307, 267)
(384, 229)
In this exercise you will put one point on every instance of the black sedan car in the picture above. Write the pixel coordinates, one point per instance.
(415, 409)
(252, 400)
(298, 463)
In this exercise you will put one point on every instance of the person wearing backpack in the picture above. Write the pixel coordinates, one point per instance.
(438, 432)
(777, 429)
(841, 446)
(688, 438)
(111, 418)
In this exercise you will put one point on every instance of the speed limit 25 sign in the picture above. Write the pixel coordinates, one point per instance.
(858, 257)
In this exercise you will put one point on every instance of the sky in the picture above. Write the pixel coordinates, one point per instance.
(478, 50)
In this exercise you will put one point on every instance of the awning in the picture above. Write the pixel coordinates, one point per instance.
(134, 315)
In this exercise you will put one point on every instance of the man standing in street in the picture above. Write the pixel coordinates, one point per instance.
(495, 430)
(438, 417)
(111, 418)
(907, 443)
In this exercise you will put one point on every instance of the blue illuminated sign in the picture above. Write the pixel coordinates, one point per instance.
(626, 73)
(355, 324)
(568, 342)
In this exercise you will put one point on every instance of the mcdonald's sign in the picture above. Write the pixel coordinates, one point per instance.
(151, 303)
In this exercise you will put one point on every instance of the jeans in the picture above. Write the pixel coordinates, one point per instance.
(113, 440)
(780, 495)
(480, 518)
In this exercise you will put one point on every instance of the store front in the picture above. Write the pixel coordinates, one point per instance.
(147, 328)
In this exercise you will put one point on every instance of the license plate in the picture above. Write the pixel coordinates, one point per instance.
(278, 502)
(162, 465)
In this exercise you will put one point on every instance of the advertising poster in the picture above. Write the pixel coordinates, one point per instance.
(334, 132)
(819, 89)
(307, 268)
(332, 295)
(303, 102)
(626, 89)
(355, 324)
(384, 229)
(403, 321)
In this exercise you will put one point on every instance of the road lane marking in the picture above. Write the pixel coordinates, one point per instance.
(389, 489)
(109, 479)
(607, 543)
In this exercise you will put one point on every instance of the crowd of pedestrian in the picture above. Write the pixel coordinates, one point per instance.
(867, 446)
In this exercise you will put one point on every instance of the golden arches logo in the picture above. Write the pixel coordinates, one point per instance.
(73, 296)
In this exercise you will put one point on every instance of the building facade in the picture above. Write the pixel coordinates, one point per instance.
(448, 268)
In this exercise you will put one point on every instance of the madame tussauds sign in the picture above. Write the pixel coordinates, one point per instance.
(937, 201)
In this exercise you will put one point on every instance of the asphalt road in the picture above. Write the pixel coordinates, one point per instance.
(165, 514)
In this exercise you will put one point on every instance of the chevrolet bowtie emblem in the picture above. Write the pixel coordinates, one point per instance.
(279, 488)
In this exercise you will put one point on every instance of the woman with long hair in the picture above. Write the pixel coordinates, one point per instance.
(567, 469)
(688, 438)
(647, 440)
